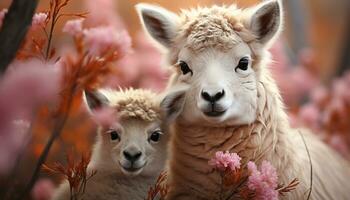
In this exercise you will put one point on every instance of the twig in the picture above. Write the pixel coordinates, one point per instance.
(14, 29)
(52, 28)
(310, 162)
(55, 133)
(9, 183)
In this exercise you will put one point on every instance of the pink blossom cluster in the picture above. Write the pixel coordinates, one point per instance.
(263, 182)
(142, 68)
(106, 38)
(43, 189)
(74, 27)
(100, 40)
(294, 81)
(223, 161)
(39, 20)
(108, 16)
(24, 87)
(327, 113)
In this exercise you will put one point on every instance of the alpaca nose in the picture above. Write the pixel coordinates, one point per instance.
(132, 156)
(212, 97)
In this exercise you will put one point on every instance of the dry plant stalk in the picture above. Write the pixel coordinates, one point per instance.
(75, 173)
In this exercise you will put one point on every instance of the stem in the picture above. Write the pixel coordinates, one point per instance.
(235, 190)
(55, 133)
(9, 183)
(53, 22)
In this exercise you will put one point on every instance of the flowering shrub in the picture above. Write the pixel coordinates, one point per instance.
(261, 184)
(42, 87)
(227, 160)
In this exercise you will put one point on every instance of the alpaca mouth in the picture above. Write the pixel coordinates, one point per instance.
(132, 169)
(214, 110)
(214, 113)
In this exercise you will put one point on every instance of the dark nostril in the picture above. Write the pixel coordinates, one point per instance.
(219, 95)
(206, 96)
(132, 157)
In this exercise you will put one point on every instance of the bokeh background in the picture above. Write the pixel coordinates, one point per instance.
(311, 65)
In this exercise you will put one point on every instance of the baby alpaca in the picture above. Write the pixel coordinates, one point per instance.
(231, 102)
(128, 155)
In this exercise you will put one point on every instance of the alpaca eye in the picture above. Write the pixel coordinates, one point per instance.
(155, 136)
(243, 64)
(185, 68)
(114, 135)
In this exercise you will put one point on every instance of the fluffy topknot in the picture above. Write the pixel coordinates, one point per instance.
(135, 103)
(221, 27)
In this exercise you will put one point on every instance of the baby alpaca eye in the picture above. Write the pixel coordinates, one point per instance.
(243, 64)
(114, 135)
(155, 136)
(185, 68)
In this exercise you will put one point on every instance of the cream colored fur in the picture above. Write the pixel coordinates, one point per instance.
(138, 116)
(255, 125)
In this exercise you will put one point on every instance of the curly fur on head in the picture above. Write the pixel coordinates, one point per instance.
(218, 27)
(131, 103)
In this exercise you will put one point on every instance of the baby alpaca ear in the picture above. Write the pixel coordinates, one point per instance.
(266, 21)
(173, 103)
(94, 100)
(158, 22)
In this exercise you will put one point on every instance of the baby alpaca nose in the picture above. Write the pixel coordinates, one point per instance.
(212, 98)
(132, 156)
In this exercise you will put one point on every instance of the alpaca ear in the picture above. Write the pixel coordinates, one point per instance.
(266, 21)
(94, 100)
(173, 103)
(160, 23)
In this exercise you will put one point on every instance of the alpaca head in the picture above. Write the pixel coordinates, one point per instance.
(216, 53)
(136, 143)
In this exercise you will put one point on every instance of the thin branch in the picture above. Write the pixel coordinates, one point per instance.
(55, 133)
(14, 29)
(9, 183)
(52, 28)
(310, 162)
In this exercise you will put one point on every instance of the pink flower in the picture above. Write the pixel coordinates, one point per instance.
(263, 182)
(338, 142)
(227, 160)
(105, 116)
(2, 16)
(101, 40)
(24, 87)
(341, 89)
(319, 96)
(108, 17)
(43, 189)
(309, 115)
(73, 27)
(39, 20)
(142, 68)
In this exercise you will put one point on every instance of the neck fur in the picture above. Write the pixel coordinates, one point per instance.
(194, 146)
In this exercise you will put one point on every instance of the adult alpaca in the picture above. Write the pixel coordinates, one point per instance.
(230, 102)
